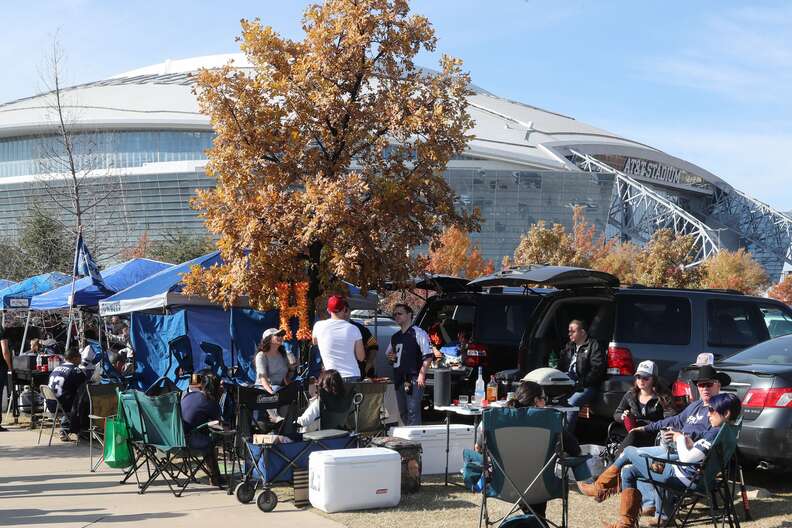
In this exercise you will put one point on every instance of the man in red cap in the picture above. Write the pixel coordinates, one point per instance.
(340, 342)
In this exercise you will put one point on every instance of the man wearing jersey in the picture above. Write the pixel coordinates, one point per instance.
(65, 381)
(410, 353)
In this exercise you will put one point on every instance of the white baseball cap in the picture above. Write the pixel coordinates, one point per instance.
(647, 368)
(271, 332)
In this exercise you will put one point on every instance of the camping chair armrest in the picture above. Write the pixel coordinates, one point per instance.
(95, 417)
(208, 426)
(649, 458)
(571, 461)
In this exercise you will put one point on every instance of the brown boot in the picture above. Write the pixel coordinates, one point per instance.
(629, 510)
(648, 512)
(606, 485)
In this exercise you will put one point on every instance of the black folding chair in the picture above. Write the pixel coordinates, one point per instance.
(714, 482)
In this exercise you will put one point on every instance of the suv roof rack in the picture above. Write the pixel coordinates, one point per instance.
(712, 290)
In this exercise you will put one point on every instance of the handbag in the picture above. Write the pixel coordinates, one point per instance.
(117, 453)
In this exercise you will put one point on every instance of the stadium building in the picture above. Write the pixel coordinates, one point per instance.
(140, 134)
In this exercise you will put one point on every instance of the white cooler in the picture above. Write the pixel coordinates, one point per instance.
(433, 443)
(354, 479)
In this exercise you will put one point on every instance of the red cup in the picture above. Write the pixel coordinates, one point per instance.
(629, 422)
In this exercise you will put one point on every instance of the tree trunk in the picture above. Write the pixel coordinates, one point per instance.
(314, 286)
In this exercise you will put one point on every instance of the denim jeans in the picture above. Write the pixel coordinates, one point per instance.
(578, 399)
(4, 381)
(409, 404)
(633, 466)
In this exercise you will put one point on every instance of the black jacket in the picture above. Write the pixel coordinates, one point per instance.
(656, 409)
(591, 364)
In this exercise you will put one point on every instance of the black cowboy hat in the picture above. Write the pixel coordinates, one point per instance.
(708, 373)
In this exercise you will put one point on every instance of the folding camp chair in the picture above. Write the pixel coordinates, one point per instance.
(158, 421)
(49, 417)
(520, 450)
(368, 409)
(714, 482)
(103, 403)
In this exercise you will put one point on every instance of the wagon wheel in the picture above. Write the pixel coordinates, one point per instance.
(267, 500)
(245, 492)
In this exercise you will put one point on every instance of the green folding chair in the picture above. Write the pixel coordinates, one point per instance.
(714, 483)
(157, 432)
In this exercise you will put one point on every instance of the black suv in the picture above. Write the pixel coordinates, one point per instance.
(669, 326)
(492, 323)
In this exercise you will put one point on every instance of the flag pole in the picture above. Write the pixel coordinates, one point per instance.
(74, 280)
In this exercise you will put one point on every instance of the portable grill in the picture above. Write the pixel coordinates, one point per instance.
(557, 385)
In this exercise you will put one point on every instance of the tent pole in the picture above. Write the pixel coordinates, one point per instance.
(74, 280)
(24, 334)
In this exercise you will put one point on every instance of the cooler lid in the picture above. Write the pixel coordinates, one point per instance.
(418, 432)
(353, 456)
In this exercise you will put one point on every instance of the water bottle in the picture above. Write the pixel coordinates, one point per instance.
(479, 394)
(552, 361)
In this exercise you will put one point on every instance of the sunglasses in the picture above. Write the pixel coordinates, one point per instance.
(642, 377)
(705, 384)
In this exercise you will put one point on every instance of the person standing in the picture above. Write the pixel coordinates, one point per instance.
(410, 353)
(6, 364)
(585, 362)
(369, 345)
(340, 342)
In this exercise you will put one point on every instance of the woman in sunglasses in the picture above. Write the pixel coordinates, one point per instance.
(647, 402)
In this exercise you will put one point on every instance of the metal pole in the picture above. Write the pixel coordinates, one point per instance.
(74, 280)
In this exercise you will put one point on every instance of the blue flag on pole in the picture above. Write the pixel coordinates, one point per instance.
(84, 264)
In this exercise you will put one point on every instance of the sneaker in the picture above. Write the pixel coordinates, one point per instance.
(2, 429)
(64, 436)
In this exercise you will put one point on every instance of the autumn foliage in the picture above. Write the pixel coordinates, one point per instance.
(667, 260)
(555, 246)
(329, 152)
(783, 290)
(735, 270)
(457, 255)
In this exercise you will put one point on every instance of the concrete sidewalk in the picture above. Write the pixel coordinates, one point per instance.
(51, 486)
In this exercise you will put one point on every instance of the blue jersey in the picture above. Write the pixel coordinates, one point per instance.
(692, 421)
(64, 381)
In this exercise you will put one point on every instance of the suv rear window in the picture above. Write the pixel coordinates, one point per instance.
(735, 324)
(653, 320)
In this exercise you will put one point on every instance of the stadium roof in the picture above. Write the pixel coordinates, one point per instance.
(160, 97)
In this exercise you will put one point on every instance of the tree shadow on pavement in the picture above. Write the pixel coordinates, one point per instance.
(29, 516)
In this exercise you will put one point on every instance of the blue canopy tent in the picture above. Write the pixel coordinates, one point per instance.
(88, 295)
(18, 295)
(223, 340)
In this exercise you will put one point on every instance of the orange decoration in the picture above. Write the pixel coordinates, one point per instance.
(298, 310)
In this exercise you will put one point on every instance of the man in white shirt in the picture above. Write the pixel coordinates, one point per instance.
(340, 342)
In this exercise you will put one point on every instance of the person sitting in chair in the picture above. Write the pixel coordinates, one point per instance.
(329, 385)
(647, 402)
(722, 408)
(65, 381)
(200, 407)
(693, 422)
(530, 394)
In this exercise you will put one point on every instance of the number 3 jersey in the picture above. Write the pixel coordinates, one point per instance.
(64, 381)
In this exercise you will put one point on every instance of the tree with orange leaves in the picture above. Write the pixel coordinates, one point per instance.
(555, 246)
(782, 291)
(457, 255)
(329, 152)
(735, 270)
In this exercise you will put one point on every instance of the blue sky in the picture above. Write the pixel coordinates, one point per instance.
(708, 81)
